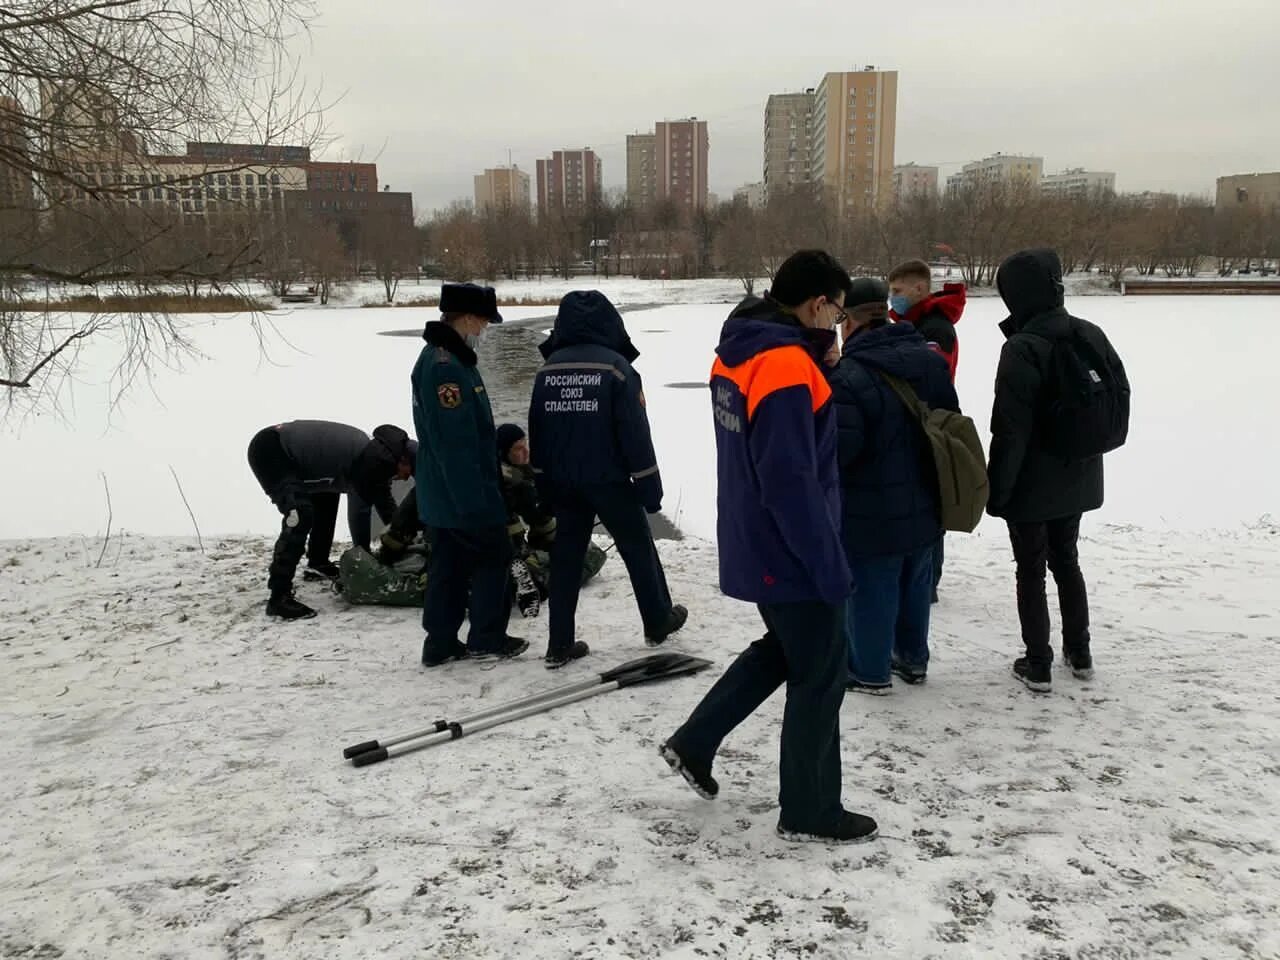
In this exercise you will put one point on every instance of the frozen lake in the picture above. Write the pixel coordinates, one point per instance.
(1201, 449)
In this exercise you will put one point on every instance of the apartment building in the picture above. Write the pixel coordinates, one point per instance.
(998, 168)
(1077, 183)
(642, 169)
(681, 151)
(500, 187)
(1248, 189)
(569, 180)
(788, 118)
(913, 180)
(852, 136)
(17, 189)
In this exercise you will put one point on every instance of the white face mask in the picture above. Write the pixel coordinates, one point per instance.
(473, 340)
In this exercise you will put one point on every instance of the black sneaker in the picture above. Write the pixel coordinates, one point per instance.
(697, 775)
(320, 570)
(1035, 676)
(869, 689)
(558, 659)
(433, 656)
(510, 647)
(908, 674)
(1080, 662)
(851, 828)
(287, 607)
(675, 620)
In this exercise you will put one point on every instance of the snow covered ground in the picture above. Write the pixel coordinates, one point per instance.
(177, 788)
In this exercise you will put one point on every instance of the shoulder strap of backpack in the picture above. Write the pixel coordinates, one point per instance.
(907, 394)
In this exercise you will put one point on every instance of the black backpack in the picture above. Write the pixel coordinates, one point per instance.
(1085, 408)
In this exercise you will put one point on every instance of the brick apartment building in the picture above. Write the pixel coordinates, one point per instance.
(568, 180)
(681, 150)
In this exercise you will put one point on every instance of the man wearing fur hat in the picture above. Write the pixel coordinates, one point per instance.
(458, 485)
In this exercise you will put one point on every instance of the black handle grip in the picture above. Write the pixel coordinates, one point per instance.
(368, 757)
(359, 748)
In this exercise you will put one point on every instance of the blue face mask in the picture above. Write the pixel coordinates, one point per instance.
(899, 305)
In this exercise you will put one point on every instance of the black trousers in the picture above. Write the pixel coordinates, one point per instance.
(472, 564)
(1036, 545)
(624, 518)
(804, 647)
(314, 515)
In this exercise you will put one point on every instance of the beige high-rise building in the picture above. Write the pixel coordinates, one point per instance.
(1249, 189)
(913, 180)
(500, 187)
(1077, 183)
(998, 168)
(642, 169)
(787, 121)
(681, 150)
(852, 137)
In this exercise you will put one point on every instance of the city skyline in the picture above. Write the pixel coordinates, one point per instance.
(997, 79)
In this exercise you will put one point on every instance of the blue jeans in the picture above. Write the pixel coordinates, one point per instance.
(888, 614)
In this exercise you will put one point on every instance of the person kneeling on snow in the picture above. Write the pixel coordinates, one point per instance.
(891, 515)
(530, 525)
(304, 467)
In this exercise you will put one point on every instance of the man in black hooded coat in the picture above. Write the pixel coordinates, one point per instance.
(1042, 495)
(592, 455)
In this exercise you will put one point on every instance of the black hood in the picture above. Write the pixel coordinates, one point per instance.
(587, 317)
(1030, 283)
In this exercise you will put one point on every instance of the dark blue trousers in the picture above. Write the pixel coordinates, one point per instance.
(475, 562)
(624, 519)
(804, 648)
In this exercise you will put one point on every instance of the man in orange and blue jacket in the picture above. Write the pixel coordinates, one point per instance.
(778, 532)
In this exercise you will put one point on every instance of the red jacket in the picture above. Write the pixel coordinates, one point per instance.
(936, 317)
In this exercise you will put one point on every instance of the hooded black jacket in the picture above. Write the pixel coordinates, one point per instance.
(587, 422)
(1029, 484)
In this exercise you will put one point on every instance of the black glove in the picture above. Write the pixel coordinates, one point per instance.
(391, 550)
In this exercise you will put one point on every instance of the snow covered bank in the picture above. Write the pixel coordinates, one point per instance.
(175, 785)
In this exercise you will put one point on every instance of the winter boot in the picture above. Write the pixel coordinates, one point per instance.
(528, 598)
(850, 828)
(1035, 675)
(1080, 662)
(558, 659)
(509, 647)
(909, 674)
(869, 689)
(436, 656)
(320, 570)
(697, 775)
(675, 620)
(285, 605)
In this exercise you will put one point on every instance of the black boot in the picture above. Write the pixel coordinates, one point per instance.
(285, 605)
(850, 828)
(1080, 662)
(435, 656)
(558, 659)
(508, 648)
(1034, 674)
(675, 620)
(696, 774)
(320, 570)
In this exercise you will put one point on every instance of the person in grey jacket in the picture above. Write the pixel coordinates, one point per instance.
(304, 467)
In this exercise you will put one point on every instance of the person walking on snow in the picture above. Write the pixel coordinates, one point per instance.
(1039, 493)
(934, 315)
(592, 455)
(778, 532)
(892, 515)
(458, 486)
(304, 467)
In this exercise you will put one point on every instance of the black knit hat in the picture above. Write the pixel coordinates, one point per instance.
(866, 290)
(470, 298)
(509, 434)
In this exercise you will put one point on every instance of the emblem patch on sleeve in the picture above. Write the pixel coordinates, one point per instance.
(450, 395)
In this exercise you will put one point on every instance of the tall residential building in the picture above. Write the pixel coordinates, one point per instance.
(1249, 189)
(913, 180)
(642, 169)
(752, 194)
(787, 121)
(500, 187)
(1076, 183)
(851, 147)
(681, 149)
(998, 168)
(568, 180)
(16, 185)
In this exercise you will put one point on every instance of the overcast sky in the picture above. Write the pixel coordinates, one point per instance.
(1169, 94)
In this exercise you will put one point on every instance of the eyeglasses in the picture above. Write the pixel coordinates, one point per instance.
(841, 314)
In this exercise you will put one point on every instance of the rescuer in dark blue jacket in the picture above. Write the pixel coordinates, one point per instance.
(593, 456)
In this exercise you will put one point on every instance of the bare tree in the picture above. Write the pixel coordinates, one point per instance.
(740, 244)
(322, 255)
(391, 244)
(90, 92)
